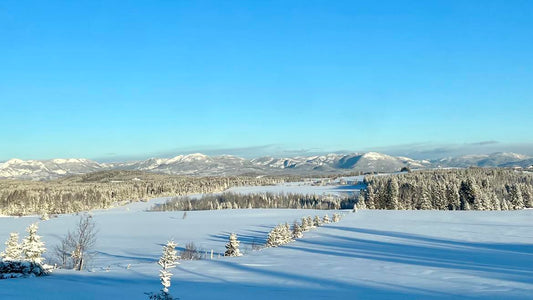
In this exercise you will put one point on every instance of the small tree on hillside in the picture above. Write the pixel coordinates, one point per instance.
(32, 246)
(336, 217)
(168, 260)
(317, 222)
(297, 232)
(232, 247)
(13, 251)
(305, 226)
(326, 219)
(278, 236)
(310, 222)
(74, 250)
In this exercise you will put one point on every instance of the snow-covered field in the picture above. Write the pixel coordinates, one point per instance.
(367, 255)
(334, 188)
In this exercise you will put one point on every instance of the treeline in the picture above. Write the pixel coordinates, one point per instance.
(104, 189)
(454, 189)
(258, 200)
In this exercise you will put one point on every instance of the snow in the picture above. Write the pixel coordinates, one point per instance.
(302, 188)
(376, 156)
(367, 255)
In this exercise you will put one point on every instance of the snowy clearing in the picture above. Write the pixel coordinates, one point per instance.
(367, 255)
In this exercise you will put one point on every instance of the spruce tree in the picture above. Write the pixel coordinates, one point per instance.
(32, 246)
(297, 232)
(13, 251)
(232, 247)
(326, 219)
(317, 221)
(305, 226)
(336, 217)
(515, 197)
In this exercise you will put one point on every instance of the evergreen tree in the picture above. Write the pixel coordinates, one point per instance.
(317, 222)
(469, 194)
(360, 201)
(528, 197)
(305, 226)
(32, 246)
(310, 222)
(453, 199)
(425, 202)
(13, 251)
(515, 197)
(278, 236)
(336, 217)
(391, 194)
(495, 203)
(232, 247)
(297, 232)
(326, 219)
(370, 198)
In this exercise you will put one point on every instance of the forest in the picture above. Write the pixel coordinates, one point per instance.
(104, 189)
(257, 200)
(451, 189)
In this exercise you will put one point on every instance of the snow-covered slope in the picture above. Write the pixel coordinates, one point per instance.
(367, 255)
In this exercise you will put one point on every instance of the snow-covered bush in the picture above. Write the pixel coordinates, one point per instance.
(168, 260)
(13, 251)
(15, 269)
(191, 252)
(232, 247)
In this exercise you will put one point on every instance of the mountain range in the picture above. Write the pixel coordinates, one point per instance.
(202, 165)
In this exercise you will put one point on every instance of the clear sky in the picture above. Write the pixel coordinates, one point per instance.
(115, 79)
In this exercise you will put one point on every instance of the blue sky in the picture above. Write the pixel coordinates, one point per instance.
(132, 79)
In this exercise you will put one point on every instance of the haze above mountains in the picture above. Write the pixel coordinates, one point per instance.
(202, 165)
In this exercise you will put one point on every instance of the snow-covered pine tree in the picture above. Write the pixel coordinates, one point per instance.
(317, 222)
(232, 247)
(278, 236)
(286, 233)
(336, 217)
(326, 219)
(310, 222)
(32, 246)
(168, 260)
(297, 232)
(515, 197)
(13, 251)
(305, 226)
(274, 238)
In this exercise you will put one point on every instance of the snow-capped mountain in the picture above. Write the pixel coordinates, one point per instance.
(499, 159)
(367, 162)
(47, 169)
(194, 164)
(198, 164)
